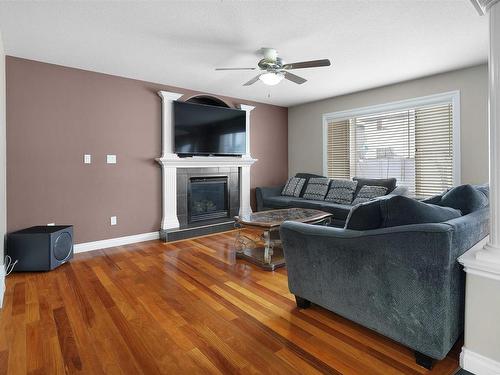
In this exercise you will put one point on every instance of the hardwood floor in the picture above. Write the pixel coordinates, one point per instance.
(181, 308)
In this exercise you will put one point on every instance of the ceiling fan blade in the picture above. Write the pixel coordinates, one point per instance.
(307, 64)
(295, 78)
(235, 68)
(252, 81)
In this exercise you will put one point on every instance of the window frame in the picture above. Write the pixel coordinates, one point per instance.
(452, 97)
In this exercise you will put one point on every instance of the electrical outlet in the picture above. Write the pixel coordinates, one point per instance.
(111, 159)
(51, 224)
(113, 220)
(87, 159)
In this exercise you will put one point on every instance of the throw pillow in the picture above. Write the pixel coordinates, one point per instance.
(316, 188)
(341, 191)
(399, 210)
(306, 176)
(293, 187)
(389, 183)
(464, 198)
(368, 193)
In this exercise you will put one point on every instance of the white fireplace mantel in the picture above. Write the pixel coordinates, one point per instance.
(170, 161)
(206, 162)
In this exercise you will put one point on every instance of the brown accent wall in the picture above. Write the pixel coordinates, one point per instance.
(57, 114)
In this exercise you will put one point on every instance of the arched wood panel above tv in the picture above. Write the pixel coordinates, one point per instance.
(208, 100)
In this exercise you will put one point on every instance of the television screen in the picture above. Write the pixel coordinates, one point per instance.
(208, 130)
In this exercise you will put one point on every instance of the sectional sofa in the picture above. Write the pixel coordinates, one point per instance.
(391, 273)
(271, 198)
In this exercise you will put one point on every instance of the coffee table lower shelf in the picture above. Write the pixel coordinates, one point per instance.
(256, 256)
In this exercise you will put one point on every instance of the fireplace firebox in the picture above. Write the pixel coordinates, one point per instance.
(207, 198)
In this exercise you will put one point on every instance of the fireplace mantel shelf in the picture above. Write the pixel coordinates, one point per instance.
(205, 161)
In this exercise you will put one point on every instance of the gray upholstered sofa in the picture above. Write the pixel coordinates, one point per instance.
(270, 198)
(403, 282)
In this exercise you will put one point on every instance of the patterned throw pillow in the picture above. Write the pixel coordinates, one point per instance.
(367, 193)
(341, 191)
(316, 188)
(293, 187)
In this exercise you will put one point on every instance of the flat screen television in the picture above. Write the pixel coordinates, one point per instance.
(208, 130)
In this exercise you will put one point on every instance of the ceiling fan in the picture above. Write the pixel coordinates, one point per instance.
(273, 70)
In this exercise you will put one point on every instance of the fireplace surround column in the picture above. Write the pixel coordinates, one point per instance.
(169, 173)
(167, 132)
(245, 207)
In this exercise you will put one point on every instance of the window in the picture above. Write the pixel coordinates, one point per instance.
(414, 141)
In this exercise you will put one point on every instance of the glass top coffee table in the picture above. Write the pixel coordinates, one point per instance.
(269, 256)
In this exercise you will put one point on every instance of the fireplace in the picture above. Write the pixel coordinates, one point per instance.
(182, 218)
(207, 198)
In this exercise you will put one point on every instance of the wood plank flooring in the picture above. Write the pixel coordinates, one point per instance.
(181, 308)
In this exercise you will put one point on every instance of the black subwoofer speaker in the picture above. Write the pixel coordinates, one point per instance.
(40, 248)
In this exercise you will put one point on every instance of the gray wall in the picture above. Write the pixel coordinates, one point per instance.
(305, 145)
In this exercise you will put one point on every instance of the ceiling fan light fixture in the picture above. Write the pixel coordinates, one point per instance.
(272, 78)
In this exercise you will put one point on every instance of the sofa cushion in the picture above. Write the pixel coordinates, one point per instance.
(293, 187)
(464, 198)
(307, 176)
(341, 191)
(306, 203)
(364, 216)
(368, 193)
(278, 201)
(317, 188)
(399, 210)
(389, 183)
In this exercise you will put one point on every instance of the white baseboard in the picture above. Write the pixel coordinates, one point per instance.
(2, 283)
(478, 364)
(119, 241)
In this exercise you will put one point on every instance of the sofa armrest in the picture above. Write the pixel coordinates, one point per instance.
(262, 193)
(396, 281)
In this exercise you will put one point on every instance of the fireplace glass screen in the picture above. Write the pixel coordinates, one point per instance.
(207, 198)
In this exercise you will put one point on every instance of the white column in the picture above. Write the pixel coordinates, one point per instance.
(491, 251)
(245, 207)
(247, 109)
(167, 128)
(169, 181)
(169, 174)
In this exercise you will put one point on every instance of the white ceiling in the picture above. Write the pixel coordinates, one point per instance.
(370, 43)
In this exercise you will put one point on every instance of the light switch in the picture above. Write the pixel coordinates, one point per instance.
(87, 159)
(113, 220)
(111, 159)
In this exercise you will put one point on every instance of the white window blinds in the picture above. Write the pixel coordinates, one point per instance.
(338, 144)
(413, 145)
(433, 149)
